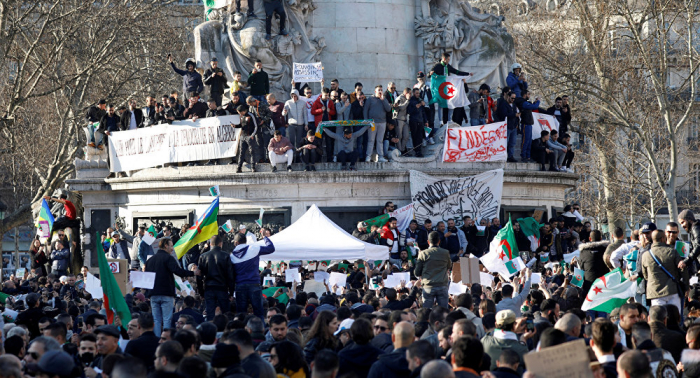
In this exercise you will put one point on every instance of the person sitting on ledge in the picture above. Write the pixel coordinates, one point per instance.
(347, 153)
(310, 150)
(540, 152)
(280, 150)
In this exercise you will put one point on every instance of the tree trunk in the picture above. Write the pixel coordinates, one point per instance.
(21, 216)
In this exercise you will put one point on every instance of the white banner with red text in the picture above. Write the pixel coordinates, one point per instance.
(543, 122)
(476, 143)
(183, 141)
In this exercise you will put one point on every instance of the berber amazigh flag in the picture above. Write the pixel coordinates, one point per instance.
(112, 295)
(448, 91)
(609, 292)
(206, 227)
(44, 222)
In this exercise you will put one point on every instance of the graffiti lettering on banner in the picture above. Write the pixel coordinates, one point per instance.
(308, 72)
(440, 199)
(476, 143)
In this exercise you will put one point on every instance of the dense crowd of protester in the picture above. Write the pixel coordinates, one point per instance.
(236, 323)
(278, 132)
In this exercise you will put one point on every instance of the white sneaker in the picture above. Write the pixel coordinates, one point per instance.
(569, 170)
(368, 159)
(425, 143)
(431, 140)
(381, 159)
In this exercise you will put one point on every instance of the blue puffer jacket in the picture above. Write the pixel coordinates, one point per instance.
(60, 259)
(516, 85)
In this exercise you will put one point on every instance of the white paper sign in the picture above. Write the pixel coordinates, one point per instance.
(405, 276)
(291, 275)
(693, 280)
(311, 286)
(457, 288)
(93, 286)
(337, 279)
(440, 199)
(486, 279)
(321, 277)
(536, 278)
(144, 280)
(307, 72)
(267, 280)
(183, 141)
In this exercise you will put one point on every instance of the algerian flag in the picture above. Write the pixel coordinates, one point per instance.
(427, 131)
(631, 259)
(215, 4)
(260, 217)
(544, 258)
(448, 91)
(283, 298)
(480, 230)
(227, 226)
(503, 256)
(403, 216)
(577, 279)
(681, 248)
(214, 191)
(609, 292)
(531, 228)
(150, 236)
(184, 286)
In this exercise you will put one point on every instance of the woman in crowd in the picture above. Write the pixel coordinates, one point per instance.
(321, 335)
(286, 357)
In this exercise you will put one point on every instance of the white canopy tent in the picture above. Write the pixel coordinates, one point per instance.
(315, 237)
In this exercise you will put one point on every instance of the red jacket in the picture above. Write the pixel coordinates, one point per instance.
(386, 234)
(317, 110)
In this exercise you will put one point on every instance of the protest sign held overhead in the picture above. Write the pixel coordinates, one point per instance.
(308, 72)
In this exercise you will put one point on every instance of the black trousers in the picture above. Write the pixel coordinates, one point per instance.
(429, 114)
(250, 6)
(270, 9)
(541, 157)
(245, 150)
(345, 158)
(309, 156)
(417, 136)
(459, 115)
(568, 159)
(330, 146)
(217, 97)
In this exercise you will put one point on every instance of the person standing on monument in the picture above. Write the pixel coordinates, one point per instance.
(417, 121)
(426, 95)
(191, 79)
(272, 6)
(249, 126)
(376, 108)
(259, 82)
(443, 68)
(215, 79)
(295, 111)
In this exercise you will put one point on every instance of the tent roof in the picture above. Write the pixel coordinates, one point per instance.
(315, 237)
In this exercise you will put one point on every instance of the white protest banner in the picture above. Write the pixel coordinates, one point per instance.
(144, 280)
(440, 199)
(183, 141)
(543, 122)
(476, 143)
(307, 72)
(536, 278)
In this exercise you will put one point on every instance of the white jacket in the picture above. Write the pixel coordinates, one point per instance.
(296, 112)
(616, 258)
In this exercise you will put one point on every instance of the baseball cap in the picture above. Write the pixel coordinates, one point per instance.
(648, 227)
(115, 233)
(242, 227)
(344, 325)
(108, 330)
(362, 225)
(214, 59)
(347, 130)
(56, 362)
(420, 74)
(505, 317)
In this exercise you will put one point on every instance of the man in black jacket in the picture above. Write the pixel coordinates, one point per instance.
(443, 68)
(395, 304)
(164, 265)
(196, 109)
(249, 126)
(218, 276)
(541, 154)
(527, 120)
(31, 316)
(144, 347)
(507, 111)
(93, 115)
(591, 259)
(215, 79)
(687, 220)
(132, 118)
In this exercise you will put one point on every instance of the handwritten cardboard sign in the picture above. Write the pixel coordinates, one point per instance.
(470, 270)
(307, 72)
(569, 360)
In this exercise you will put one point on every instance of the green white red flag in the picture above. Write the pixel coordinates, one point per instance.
(504, 256)
(609, 292)
(531, 228)
(113, 298)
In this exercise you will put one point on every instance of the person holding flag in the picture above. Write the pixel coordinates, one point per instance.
(246, 259)
(163, 294)
(443, 68)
